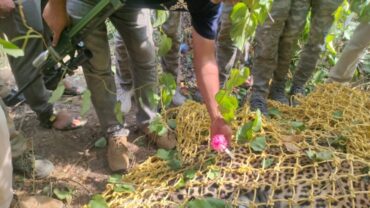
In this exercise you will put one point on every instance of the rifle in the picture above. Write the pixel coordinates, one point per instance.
(52, 61)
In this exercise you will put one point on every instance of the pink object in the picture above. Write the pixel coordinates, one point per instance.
(219, 143)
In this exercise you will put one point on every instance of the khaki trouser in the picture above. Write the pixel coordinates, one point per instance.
(6, 191)
(98, 74)
(345, 68)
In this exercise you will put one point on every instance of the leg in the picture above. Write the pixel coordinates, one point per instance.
(135, 29)
(123, 63)
(287, 44)
(226, 51)
(345, 67)
(123, 74)
(98, 74)
(172, 28)
(322, 19)
(36, 95)
(6, 191)
(266, 53)
(288, 41)
(171, 61)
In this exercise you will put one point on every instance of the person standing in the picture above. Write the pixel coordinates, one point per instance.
(276, 40)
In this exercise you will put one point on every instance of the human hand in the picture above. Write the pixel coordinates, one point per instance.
(56, 17)
(219, 126)
(6, 7)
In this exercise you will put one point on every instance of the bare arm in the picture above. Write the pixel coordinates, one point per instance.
(206, 70)
(55, 15)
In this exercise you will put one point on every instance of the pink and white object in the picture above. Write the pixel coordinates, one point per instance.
(219, 144)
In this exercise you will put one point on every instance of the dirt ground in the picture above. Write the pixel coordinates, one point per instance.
(79, 165)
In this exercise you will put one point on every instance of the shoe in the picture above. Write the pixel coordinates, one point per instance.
(277, 92)
(33, 165)
(178, 99)
(120, 151)
(125, 97)
(259, 102)
(294, 92)
(167, 141)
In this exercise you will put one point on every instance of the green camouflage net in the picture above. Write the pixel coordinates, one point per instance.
(316, 155)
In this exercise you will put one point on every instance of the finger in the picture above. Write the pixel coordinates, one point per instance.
(56, 37)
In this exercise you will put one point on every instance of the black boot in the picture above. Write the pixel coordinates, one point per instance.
(277, 92)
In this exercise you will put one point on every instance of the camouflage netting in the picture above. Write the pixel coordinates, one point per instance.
(336, 124)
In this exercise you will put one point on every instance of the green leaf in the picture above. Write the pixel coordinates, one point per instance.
(180, 183)
(168, 88)
(274, 112)
(161, 17)
(174, 164)
(207, 203)
(237, 77)
(240, 23)
(324, 155)
(298, 125)
(257, 123)
(57, 93)
(319, 156)
(311, 154)
(98, 202)
(258, 144)
(227, 104)
(171, 123)
(266, 163)
(118, 112)
(338, 115)
(189, 174)
(10, 49)
(153, 98)
(245, 133)
(115, 178)
(86, 102)
(63, 194)
(213, 173)
(165, 45)
(157, 126)
(123, 188)
(101, 143)
(163, 154)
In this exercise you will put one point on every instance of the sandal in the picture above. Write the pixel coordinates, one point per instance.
(74, 123)
(49, 117)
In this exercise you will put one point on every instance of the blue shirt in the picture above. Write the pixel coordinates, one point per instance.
(204, 14)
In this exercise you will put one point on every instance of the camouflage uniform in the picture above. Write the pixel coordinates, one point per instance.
(277, 38)
(345, 67)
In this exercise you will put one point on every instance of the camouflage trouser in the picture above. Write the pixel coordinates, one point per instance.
(277, 40)
(267, 47)
(345, 67)
(172, 28)
(321, 20)
(226, 51)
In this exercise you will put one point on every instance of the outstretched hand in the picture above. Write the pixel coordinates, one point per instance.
(6, 7)
(219, 126)
(56, 17)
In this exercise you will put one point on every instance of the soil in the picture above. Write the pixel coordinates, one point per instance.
(79, 165)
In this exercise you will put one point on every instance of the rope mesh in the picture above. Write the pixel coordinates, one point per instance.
(336, 120)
